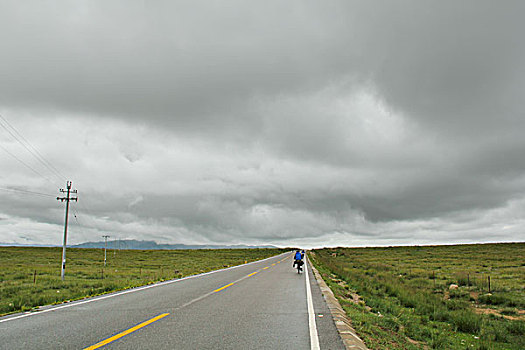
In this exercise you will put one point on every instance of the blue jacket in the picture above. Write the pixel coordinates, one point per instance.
(298, 256)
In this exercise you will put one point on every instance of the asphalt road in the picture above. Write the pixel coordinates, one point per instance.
(261, 305)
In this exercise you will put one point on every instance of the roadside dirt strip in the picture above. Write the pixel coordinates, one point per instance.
(342, 323)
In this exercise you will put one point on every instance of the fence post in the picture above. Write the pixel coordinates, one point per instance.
(34, 278)
(489, 282)
(468, 279)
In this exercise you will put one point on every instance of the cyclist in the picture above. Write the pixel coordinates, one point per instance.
(298, 258)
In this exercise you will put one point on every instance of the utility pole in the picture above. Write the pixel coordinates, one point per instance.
(67, 198)
(105, 247)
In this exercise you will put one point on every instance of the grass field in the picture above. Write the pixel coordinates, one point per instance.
(401, 297)
(30, 277)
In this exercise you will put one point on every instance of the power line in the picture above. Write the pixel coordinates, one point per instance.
(79, 219)
(75, 214)
(29, 147)
(89, 213)
(19, 138)
(82, 225)
(16, 190)
(26, 165)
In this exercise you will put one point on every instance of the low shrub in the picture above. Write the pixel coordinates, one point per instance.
(466, 321)
(440, 314)
(439, 341)
(509, 311)
(455, 304)
(495, 331)
(516, 327)
(390, 323)
(493, 299)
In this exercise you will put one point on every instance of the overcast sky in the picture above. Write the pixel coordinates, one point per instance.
(314, 123)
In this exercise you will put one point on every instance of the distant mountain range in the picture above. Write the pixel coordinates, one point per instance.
(151, 245)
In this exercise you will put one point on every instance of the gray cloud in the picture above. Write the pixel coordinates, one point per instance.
(268, 122)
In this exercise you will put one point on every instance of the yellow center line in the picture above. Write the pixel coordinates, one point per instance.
(264, 268)
(253, 273)
(126, 332)
(224, 287)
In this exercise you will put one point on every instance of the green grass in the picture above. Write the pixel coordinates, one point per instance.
(30, 276)
(405, 301)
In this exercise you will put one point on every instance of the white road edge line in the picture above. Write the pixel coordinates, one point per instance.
(314, 338)
(129, 291)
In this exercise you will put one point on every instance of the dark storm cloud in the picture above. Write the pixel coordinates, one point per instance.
(171, 61)
(277, 119)
(458, 65)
